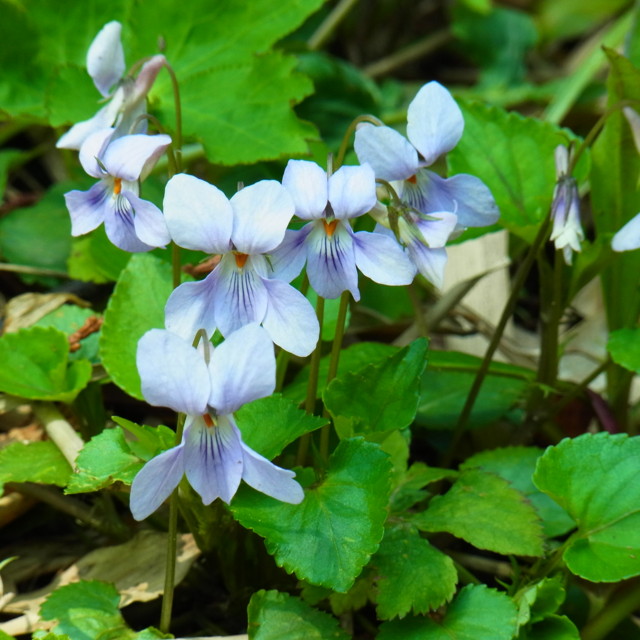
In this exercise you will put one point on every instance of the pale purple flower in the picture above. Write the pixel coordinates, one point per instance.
(208, 385)
(240, 290)
(628, 238)
(131, 223)
(565, 208)
(106, 66)
(331, 249)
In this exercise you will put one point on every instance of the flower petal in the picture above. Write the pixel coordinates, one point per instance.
(390, 154)
(434, 122)
(199, 215)
(628, 237)
(352, 191)
(430, 262)
(190, 308)
(331, 263)
(437, 232)
(155, 482)
(149, 222)
(119, 223)
(172, 372)
(382, 259)
(147, 76)
(105, 57)
(288, 259)
(131, 157)
(290, 319)
(213, 459)
(306, 182)
(92, 149)
(87, 208)
(103, 119)
(262, 212)
(242, 369)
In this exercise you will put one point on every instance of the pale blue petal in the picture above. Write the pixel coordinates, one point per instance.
(92, 149)
(190, 308)
(242, 369)
(172, 372)
(199, 215)
(103, 119)
(290, 320)
(105, 57)
(437, 232)
(132, 157)
(307, 183)
(155, 482)
(352, 191)
(213, 459)
(288, 259)
(87, 208)
(430, 262)
(390, 154)
(434, 122)
(628, 238)
(382, 259)
(148, 221)
(119, 224)
(262, 212)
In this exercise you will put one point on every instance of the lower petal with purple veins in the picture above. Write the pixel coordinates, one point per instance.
(430, 262)
(382, 259)
(149, 222)
(87, 208)
(119, 224)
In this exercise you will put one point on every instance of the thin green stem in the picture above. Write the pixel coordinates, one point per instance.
(330, 23)
(622, 603)
(178, 108)
(421, 322)
(344, 145)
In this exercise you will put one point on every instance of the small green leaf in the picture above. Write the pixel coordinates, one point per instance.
(551, 628)
(136, 305)
(274, 615)
(477, 613)
(378, 397)
(412, 574)
(330, 536)
(150, 441)
(69, 318)
(624, 347)
(596, 479)
(487, 512)
(94, 258)
(33, 462)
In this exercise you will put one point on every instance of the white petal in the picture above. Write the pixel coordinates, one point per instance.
(199, 216)
(92, 149)
(105, 57)
(437, 232)
(287, 260)
(172, 372)
(147, 76)
(352, 191)
(434, 122)
(87, 208)
(382, 259)
(390, 154)
(190, 308)
(307, 183)
(103, 119)
(628, 237)
(430, 262)
(132, 157)
(149, 222)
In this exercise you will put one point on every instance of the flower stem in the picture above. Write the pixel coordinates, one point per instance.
(328, 26)
(622, 603)
(347, 137)
(178, 107)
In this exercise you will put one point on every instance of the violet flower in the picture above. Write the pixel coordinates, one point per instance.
(208, 384)
(628, 238)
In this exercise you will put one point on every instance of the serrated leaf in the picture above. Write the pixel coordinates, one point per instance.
(477, 613)
(517, 464)
(596, 479)
(378, 397)
(330, 536)
(487, 512)
(33, 462)
(274, 615)
(412, 574)
(35, 365)
(268, 425)
(136, 305)
(624, 347)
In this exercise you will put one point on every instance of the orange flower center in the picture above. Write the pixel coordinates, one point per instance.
(117, 186)
(412, 179)
(330, 227)
(241, 259)
(208, 420)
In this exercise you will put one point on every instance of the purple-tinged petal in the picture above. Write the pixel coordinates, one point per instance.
(561, 156)
(132, 157)
(262, 212)
(190, 308)
(103, 119)
(172, 372)
(213, 459)
(382, 259)
(430, 262)
(239, 297)
(148, 221)
(390, 154)
(628, 238)
(87, 208)
(199, 216)
(437, 232)
(155, 482)
(289, 258)
(307, 183)
(119, 224)
(242, 369)
(434, 122)
(92, 149)
(105, 57)
(331, 263)
(290, 320)
(352, 191)
(147, 76)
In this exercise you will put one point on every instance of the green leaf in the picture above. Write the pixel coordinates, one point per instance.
(94, 258)
(268, 425)
(330, 536)
(35, 365)
(136, 305)
(105, 459)
(412, 575)
(477, 613)
(33, 462)
(150, 441)
(274, 615)
(488, 513)
(517, 464)
(596, 479)
(409, 488)
(551, 628)
(624, 347)
(540, 600)
(378, 397)
(69, 318)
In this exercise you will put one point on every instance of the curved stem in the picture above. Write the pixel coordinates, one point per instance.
(328, 26)
(178, 107)
(342, 152)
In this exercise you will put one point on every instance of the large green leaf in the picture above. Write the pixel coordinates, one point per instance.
(33, 462)
(477, 613)
(624, 347)
(596, 479)
(136, 305)
(487, 512)
(274, 615)
(329, 537)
